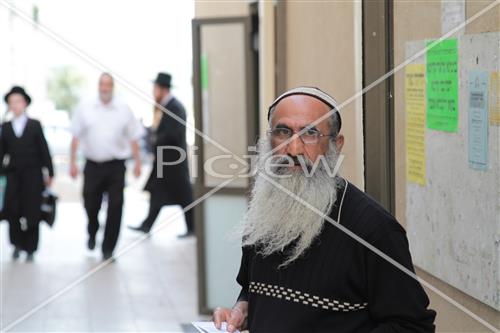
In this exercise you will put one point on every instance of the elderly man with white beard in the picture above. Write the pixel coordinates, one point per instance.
(301, 273)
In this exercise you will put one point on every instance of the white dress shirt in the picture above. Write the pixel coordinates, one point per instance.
(19, 124)
(105, 131)
(166, 99)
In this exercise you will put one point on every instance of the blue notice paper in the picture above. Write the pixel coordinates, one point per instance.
(478, 120)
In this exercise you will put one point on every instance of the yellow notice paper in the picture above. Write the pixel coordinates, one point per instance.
(495, 98)
(415, 123)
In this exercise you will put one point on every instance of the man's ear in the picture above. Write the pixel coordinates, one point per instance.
(339, 143)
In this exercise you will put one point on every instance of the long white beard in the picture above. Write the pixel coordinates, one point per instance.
(274, 219)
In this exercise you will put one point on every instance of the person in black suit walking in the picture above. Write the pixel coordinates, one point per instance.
(171, 184)
(27, 164)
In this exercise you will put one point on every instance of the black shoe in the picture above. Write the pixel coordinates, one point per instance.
(108, 256)
(91, 243)
(16, 253)
(188, 234)
(139, 228)
(30, 257)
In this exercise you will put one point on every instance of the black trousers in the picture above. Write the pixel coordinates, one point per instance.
(100, 178)
(24, 234)
(154, 211)
(23, 199)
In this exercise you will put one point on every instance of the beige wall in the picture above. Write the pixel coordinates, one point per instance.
(267, 54)
(267, 91)
(210, 9)
(323, 46)
(323, 42)
(415, 21)
(323, 49)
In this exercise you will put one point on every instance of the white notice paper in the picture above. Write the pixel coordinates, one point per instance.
(209, 327)
(452, 15)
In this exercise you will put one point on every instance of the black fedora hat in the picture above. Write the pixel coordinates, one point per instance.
(163, 80)
(17, 90)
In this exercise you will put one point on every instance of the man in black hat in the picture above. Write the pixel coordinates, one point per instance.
(171, 184)
(299, 271)
(26, 162)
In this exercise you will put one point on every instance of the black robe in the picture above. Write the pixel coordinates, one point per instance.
(26, 158)
(174, 187)
(338, 285)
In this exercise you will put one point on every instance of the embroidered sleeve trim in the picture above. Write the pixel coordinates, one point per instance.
(297, 296)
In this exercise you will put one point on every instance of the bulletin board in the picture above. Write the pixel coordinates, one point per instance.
(452, 143)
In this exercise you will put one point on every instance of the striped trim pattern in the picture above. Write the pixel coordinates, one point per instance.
(297, 296)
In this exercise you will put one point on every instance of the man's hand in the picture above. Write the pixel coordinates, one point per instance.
(137, 169)
(48, 181)
(235, 317)
(137, 158)
(73, 170)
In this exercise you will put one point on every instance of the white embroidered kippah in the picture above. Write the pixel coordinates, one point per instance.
(309, 91)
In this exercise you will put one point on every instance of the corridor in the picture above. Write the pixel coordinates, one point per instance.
(150, 287)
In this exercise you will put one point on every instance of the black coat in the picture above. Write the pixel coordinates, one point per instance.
(174, 187)
(338, 285)
(27, 156)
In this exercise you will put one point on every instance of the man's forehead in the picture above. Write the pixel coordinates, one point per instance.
(300, 107)
(105, 78)
(305, 102)
(302, 101)
(15, 96)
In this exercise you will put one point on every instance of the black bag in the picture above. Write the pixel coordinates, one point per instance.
(49, 200)
(3, 186)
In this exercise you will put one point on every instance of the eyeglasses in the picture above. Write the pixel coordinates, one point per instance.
(309, 136)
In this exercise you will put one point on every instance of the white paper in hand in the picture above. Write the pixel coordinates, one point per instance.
(209, 327)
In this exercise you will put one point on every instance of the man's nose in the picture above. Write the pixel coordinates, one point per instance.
(295, 147)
